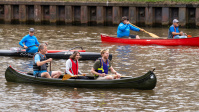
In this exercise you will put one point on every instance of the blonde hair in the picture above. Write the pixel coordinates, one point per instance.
(104, 50)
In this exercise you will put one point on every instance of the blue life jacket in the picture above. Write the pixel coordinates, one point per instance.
(103, 67)
(172, 28)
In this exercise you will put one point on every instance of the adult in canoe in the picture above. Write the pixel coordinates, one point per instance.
(102, 66)
(40, 64)
(72, 67)
(174, 31)
(123, 30)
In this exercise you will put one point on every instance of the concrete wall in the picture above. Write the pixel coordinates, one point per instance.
(68, 13)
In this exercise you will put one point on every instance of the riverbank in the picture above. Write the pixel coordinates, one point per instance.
(57, 12)
(117, 1)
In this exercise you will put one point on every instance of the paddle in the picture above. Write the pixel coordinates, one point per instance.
(18, 49)
(33, 45)
(151, 34)
(68, 76)
(50, 66)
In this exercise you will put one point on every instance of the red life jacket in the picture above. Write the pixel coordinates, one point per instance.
(74, 69)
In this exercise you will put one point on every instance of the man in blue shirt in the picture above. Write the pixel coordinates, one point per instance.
(123, 30)
(174, 31)
(30, 42)
(40, 64)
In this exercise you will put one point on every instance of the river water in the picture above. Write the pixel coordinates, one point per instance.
(177, 71)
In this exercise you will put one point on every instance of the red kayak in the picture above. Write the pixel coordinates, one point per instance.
(194, 41)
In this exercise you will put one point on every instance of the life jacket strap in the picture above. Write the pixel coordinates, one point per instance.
(175, 31)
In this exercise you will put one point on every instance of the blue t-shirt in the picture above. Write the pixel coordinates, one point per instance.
(29, 41)
(173, 29)
(36, 59)
(124, 29)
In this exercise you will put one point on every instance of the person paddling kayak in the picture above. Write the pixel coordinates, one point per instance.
(40, 64)
(102, 66)
(123, 30)
(174, 31)
(30, 42)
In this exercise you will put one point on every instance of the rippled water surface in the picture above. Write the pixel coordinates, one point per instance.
(177, 71)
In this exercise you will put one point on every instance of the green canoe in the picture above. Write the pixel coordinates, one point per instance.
(145, 82)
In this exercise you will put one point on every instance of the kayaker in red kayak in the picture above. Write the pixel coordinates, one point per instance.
(40, 64)
(174, 31)
(72, 67)
(123, 30)
(102, 66)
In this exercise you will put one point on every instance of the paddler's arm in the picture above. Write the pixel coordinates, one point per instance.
(40, 63)
(135, 29)
(172, 30)
(175, 33)
(22, 41)
(79, 72)
(96, 73)
(68, 66)
(95, 67)
(114, 72)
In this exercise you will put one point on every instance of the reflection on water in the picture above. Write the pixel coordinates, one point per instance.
(176, 69)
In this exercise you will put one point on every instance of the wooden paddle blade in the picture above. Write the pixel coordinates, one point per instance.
(153, 35)
(66, 77)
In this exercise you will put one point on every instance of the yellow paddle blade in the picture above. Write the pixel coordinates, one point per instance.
(153, 35)
(66, 77)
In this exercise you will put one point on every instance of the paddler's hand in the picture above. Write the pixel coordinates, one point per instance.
(185, 34)
(117, 75)
(103, 74)
(25, 47)
(127, 22)
(181, 33)
(50, 59)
